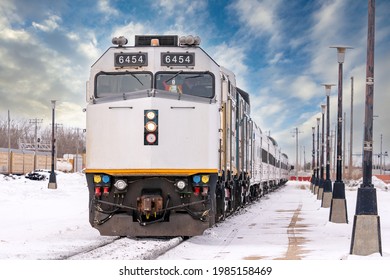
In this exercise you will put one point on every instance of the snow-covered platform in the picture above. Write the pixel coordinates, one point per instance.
(288, 224)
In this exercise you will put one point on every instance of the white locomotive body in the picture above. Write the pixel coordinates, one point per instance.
(170, 146)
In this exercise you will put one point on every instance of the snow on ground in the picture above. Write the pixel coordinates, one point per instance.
(40, 223)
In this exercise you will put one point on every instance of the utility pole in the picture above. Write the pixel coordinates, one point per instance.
(351, 135)
(366, 232)
(75, 162)
(296, 131)
(9, 143)
(35, 122)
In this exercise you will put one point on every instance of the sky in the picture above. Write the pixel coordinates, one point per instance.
(278, 49)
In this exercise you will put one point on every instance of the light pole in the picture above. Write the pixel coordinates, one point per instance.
(52, 178)
(321, 185)
(327, 195)
(313, 161)
(296, 153)
(381, 155)
(366, 232)
(338, 207)
(318, 159)
(351, 135)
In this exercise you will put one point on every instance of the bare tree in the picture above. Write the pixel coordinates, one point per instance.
(69, 140)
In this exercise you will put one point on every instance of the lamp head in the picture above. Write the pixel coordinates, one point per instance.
(328, 88)
(341, 52)
(323, 107)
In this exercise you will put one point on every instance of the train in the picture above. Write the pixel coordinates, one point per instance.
(171, 148)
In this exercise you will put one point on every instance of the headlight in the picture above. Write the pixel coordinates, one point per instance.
(120, 185)
(180, 185)
(150, 115)
(151, 126)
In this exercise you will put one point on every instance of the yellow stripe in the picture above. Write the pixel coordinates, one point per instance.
(151, 171)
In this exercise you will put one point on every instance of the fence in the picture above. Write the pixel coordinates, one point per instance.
(22, 161)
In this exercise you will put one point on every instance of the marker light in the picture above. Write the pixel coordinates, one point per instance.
(97, 179)
(106, 179)
(196, 179)
(151, 126)
(205, 179)
(120, 185)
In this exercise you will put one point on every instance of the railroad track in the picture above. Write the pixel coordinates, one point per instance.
(126, 248)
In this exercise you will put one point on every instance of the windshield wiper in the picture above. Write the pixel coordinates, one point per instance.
(197, 76)
(135, 77)
(174, 76)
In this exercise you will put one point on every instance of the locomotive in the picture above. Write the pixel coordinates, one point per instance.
(171, 148)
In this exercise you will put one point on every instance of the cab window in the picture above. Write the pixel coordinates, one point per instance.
(109, 84)
(190, 83)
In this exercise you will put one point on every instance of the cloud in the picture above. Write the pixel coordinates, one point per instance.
(259, 18)
(179, 9)
(232, 58)
(105, 7)
(130, 30)
(278, 57)
(304, 88)
(48, 25)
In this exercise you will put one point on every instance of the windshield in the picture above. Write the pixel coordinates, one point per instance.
(191, 83)
(108, 84)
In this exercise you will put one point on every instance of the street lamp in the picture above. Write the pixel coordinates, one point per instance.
(327, 195)
(321, 184)
(366, 232)
(318, 159)
(338, 207)
(52, 178)
(313, 160)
